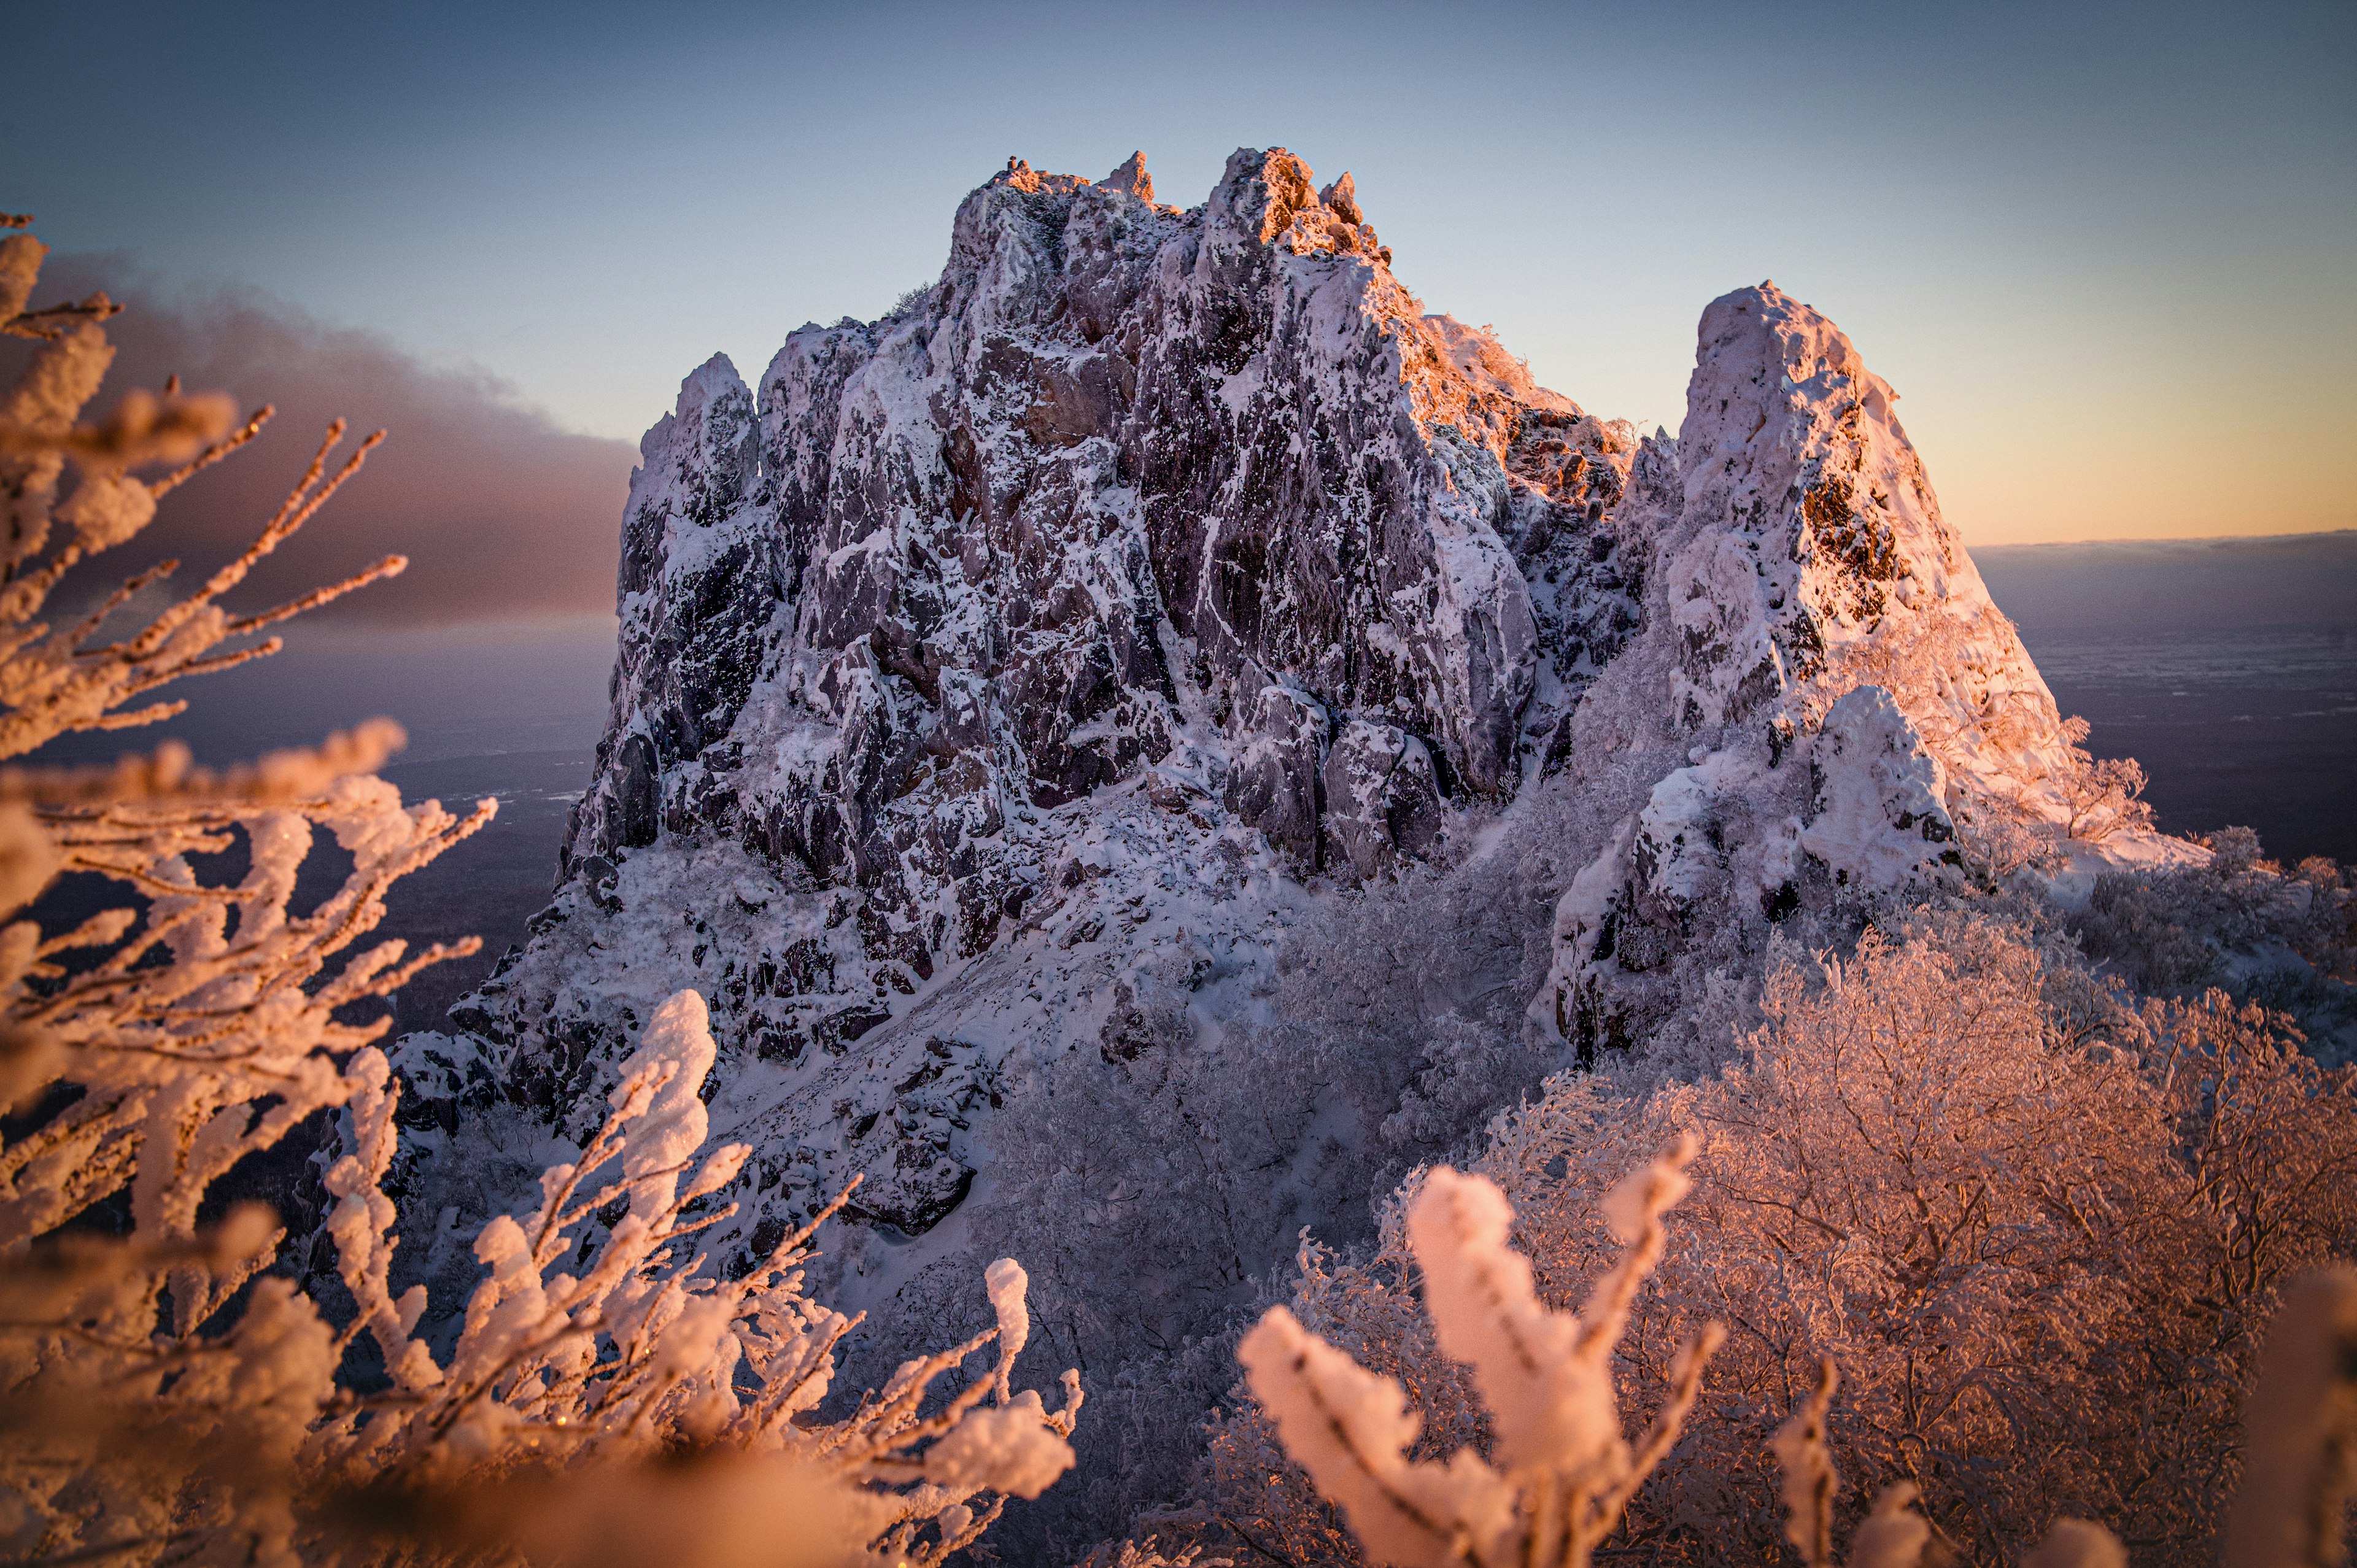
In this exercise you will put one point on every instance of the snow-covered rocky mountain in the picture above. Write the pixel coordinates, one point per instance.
(1005, 683)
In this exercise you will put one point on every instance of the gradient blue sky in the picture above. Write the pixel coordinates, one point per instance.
(2106, 252)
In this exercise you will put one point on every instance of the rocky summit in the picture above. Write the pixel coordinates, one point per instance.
(1005, 683)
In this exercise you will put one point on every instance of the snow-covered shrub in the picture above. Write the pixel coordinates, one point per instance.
(1893, 1534)
(606, 1399)
(1252, 1491)
(2166, 930)
(2102, 795)
(55, 681)
(2038, 1235)
(1166, 1180)
(172, 1025)
(165, 1394)
(1564, 1468)
(153, 1044)
(2284, 938)
(1148, 1555)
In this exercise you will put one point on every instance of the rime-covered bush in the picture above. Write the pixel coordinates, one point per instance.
(2039, 1237)
(2284, 938)
(169, 1394)
(1560, 1469)
(608, 1399)
(2171, 929)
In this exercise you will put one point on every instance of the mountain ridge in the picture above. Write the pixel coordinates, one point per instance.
(1028, 693)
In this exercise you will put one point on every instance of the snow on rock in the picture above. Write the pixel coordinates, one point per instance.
(1807, 554)
(1025, 650)
(998, 681)
(699, 586)
(1272, 780)
(1382, 799)
(1881, 817)
(1815, 624)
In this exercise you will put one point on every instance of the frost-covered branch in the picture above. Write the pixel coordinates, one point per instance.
(1564, 1470)
(2100, 795)
(176, 1021)
(599, 1369)
(55, 681)
(168, 1395)
(580, 1351)
(1894, 1534)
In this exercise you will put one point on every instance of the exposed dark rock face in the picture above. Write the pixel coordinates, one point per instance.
(1382, 800)
(1112, 435)
(1128, 487)
(699, 586)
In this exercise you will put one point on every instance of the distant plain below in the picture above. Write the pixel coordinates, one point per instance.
(2227, 667)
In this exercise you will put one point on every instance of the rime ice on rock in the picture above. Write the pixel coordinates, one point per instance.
(1130, 178)
(697, 588)
(1004, 667)
(1146, 565)
(1816, 629)
(1881, 816)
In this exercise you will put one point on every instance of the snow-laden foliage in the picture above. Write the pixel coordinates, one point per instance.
(196, 1025)
(1563, 1471)
(607, 1397)
(2039, 1229)
(162, 1039)
(1893, 1534)
(53, 681)
(169, 1392)
(2283, 935)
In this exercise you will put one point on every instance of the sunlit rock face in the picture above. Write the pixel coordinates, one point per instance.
(1819, 653)
(1116, 451)
(1003, 679)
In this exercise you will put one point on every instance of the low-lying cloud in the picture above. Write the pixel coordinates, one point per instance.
(502, 515)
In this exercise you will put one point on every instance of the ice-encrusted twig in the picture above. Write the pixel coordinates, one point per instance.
(1565, 1470)
(1810, 1482)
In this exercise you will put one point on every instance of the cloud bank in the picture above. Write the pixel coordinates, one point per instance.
(503, 516)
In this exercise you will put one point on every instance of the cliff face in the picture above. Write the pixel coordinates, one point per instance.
(1819, 644)
(997, 687)
(1144, 544)
(1116, 451)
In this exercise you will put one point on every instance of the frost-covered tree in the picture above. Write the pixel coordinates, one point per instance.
(1165, 1182)
(2039, 1229)
(2100, 795)
(2284, 937)
(166, 1395)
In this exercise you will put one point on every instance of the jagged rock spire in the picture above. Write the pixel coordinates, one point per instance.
(1130, 178)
